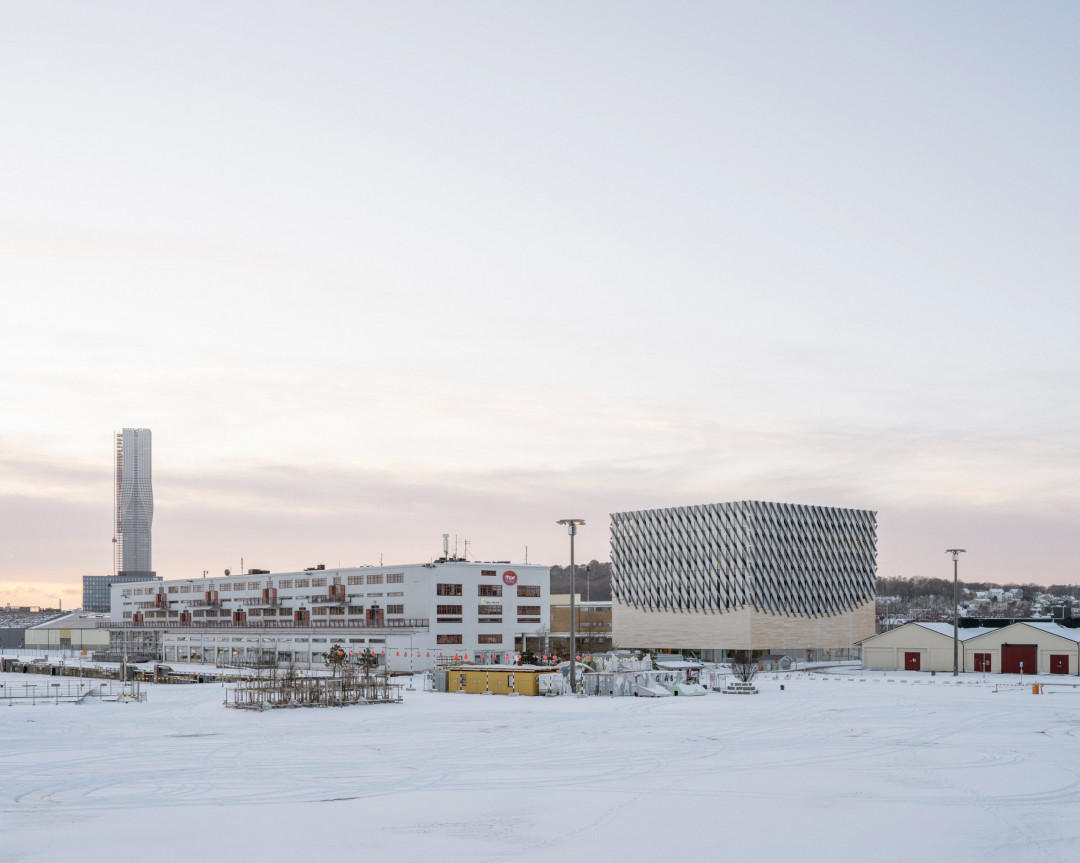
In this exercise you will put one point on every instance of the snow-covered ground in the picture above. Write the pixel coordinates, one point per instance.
(831, 768)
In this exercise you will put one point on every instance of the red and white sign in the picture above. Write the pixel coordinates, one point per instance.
(510, 577)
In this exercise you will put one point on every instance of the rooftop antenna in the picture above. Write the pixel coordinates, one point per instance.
(446, 546)
(380, 558)
(455, 547)
(466, 549)
(526, 554)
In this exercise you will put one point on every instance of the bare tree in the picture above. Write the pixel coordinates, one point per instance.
(744, 667)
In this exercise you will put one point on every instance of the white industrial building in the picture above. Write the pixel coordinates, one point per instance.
(1031, 647)
(412, 615)
(1025, 647)
(917, 647)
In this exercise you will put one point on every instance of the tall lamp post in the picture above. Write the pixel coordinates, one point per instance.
(572, 525)
(955, 552)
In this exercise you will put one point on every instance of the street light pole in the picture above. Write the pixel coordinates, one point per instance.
(571, 527)
(955, 552)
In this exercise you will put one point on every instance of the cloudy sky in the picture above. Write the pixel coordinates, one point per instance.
(373, 272)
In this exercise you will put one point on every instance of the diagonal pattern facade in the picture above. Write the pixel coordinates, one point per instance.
(776, 558)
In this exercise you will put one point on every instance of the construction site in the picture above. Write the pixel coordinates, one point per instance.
(288, 687)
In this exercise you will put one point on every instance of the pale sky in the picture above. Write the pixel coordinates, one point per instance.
(373, 272)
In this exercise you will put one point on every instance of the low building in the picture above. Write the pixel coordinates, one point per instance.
(1027, 648)
(498, 680)
(916, 647)
(78, 631)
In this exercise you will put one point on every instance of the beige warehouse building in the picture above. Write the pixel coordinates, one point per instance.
(77, 632)
(1028, 648)
(917, 647)
(1042, 648)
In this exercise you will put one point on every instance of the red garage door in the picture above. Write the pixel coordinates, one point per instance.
(912, 660)
(1014, 654)
(1059, 663)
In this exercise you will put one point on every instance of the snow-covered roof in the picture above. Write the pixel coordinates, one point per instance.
(1053, 629)
(75, 620)
(963, 634)
(939, 628)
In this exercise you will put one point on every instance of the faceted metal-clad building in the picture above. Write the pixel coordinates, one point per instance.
(134, 501)
(748, 575)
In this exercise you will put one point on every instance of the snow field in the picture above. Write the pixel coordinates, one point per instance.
(827, 769)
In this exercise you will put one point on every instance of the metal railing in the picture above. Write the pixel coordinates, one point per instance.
(344, 623)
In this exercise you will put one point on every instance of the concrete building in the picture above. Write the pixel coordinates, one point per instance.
(97, 589)
(134, 502)
(750, 575)
(414, 615)
(917, 647)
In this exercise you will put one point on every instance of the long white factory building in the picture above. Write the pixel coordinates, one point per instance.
(412, 615)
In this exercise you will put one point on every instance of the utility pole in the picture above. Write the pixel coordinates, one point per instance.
(572, 525)
(955, 552)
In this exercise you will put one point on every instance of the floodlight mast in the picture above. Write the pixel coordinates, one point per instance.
(572, 525)
(955, 552)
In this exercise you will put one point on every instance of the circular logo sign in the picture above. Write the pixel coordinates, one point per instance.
(510, 577)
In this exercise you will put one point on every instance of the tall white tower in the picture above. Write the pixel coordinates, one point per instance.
(134, 501)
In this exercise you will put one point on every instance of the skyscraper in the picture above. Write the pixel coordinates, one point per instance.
(134, 501)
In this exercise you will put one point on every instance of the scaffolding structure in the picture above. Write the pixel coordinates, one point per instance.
(289, 688)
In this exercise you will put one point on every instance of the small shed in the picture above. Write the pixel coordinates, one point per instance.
(496, 679)
(917, 647)
(1028, 648)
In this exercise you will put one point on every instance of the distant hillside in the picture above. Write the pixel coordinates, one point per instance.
(593, 580)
